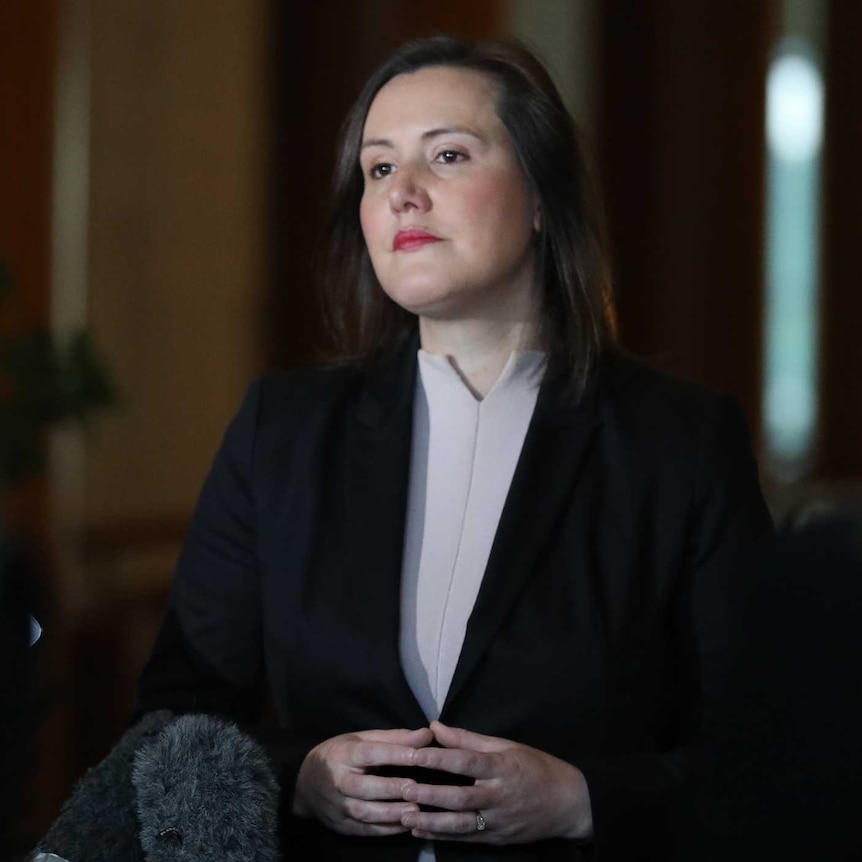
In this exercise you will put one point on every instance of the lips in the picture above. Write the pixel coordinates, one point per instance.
(413, 239)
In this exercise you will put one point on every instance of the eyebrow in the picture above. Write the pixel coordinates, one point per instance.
(431, 133)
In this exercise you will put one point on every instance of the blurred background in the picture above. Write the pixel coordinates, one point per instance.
(163, 170)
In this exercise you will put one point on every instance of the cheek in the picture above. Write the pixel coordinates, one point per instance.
(502, 205)
(369, 221)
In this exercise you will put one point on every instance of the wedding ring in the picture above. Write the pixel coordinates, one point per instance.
(480, 822)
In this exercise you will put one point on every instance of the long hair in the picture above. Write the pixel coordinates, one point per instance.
(576, 313)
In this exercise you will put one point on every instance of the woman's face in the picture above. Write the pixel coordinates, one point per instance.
(447, 212)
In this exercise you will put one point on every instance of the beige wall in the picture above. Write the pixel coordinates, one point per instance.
(565, 35)
(176, 240)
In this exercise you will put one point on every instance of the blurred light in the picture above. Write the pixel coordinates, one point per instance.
(35, 630)
(794, 108)
(794, 126)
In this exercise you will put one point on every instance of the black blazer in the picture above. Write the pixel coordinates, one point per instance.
(595, 635)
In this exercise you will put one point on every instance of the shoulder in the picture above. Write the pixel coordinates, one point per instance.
(286, 397)
(287, 405)
(661, 409)
(682, 443)
(678, 433)
(313, 385)
(370, 391)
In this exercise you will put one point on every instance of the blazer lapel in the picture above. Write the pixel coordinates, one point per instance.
(377, 471)
(554, 449)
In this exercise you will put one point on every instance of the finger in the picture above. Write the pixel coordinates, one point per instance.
(362, 755)
(361, 785)
(379, 813)
(368, 830)
(401, 736)
(457, 737)
(447, 824)
(475, 764)
(452, 798)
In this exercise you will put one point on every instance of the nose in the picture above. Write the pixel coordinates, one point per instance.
(407, 191)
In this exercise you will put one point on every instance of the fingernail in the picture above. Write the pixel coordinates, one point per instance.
(409, 821)
(407, 791)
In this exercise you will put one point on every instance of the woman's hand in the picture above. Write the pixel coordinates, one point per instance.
(522, 793)
(334, 784)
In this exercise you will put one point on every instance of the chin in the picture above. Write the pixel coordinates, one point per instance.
(426, 300)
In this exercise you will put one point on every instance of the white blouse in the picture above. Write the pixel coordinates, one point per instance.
(463, 458)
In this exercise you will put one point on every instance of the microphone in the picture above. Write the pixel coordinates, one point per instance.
(98, 822)
(205, 791)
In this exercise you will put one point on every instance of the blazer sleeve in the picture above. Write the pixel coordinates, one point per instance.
(637, 799)
(208, 656)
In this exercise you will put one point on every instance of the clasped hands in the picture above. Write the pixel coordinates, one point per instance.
(524, 794)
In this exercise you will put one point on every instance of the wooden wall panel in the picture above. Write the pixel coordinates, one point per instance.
(27, 44)
(840, 441)
(681, 152)
(177, 238)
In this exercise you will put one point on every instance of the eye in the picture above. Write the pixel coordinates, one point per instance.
(380, 170)
(450, 157)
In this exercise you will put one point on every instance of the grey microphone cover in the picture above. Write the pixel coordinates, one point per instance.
(98, 822)
(206, 791)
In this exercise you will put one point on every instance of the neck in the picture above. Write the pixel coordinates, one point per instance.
(479, 349)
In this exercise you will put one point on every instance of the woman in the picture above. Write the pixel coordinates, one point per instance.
(471, 562)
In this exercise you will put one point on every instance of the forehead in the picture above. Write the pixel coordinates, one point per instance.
(431, 97)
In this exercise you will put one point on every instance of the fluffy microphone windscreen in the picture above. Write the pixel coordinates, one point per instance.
(98, 822)
(206, 791)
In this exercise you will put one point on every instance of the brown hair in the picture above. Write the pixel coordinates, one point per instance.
(577, 314)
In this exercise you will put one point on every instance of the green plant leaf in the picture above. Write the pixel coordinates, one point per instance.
(44, 384)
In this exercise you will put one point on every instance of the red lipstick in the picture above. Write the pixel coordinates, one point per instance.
(412, 239)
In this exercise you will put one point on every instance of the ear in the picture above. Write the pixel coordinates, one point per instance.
(537, 211)
(537, 220)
